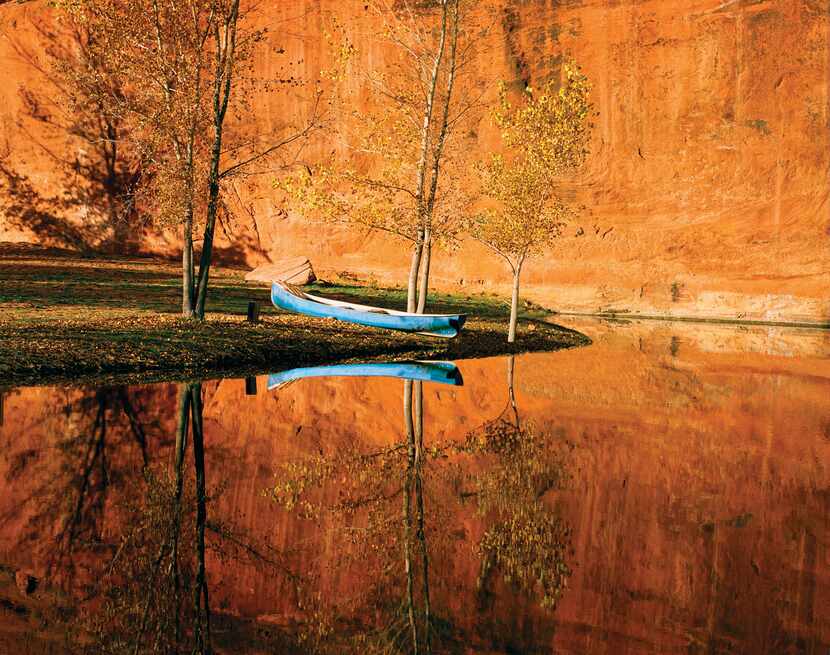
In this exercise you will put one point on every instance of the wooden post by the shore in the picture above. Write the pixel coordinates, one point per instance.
(250, 386)
(2, 398)
(253, 311)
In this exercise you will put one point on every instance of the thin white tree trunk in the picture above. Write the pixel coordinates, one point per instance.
(514, 303)
(187, 262)
(426, 259)
(436, 157)
(412, 285)
(421, 207)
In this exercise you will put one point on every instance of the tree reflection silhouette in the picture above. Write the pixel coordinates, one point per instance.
(97, 432)
(122, 525)
(413, 530)
(160, 557)
(350, 495)
(525, 540)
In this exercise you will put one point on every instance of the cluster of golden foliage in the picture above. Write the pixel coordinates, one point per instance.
(544, 138)
(526, 541)
(365, 481)
(529, 549)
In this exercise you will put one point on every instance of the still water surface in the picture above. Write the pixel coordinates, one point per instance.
(664, 490)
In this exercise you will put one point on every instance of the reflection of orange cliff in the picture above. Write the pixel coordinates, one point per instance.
(707, 186)
(697, 494)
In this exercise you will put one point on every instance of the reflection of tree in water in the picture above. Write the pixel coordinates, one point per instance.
(155, 593)
(365, 515)
(507, 467)
(134, 525)
(380, 513)
(153, 596)
(525, 541)
(414, 532)
(98, 436)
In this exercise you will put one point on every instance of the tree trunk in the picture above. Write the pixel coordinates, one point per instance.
(514, 305)
(426, 257)
(226, 47)
(407, 511)
(414, 267)
(188, 281)
(423, 164)
(206, 257)
(436, 156)
(187, 246)
(187, 266)
(200, 591)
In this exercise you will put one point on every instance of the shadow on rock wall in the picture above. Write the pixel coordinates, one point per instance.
(89, 203)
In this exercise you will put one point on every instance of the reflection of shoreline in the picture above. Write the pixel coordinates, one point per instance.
(779, 341)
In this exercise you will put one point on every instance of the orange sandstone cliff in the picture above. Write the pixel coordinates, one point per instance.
(706, 193)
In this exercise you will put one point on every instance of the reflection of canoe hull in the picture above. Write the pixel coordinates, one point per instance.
(292, 299)
(441, 372)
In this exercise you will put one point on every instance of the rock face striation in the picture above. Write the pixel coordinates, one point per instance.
(706, 193)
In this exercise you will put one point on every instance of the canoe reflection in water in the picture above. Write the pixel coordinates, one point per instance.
(441, 372)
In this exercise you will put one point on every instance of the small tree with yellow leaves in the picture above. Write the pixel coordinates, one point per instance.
(404, 158)
(545, 137)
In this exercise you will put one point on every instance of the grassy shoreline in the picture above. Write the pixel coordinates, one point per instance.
(69, 320)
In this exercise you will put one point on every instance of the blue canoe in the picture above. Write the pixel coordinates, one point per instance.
(441, 372)
(290, 298)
